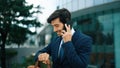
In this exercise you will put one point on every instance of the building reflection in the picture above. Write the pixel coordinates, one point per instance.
(101, 31)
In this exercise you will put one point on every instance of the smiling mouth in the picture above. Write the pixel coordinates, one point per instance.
(58, 34)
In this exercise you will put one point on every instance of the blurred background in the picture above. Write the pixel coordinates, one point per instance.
(24, 30)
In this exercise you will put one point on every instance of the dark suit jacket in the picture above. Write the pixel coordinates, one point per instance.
(76, 52)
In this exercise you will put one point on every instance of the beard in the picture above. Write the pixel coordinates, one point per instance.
(59, 32)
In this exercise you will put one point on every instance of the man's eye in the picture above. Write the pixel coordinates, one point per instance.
(56, 25)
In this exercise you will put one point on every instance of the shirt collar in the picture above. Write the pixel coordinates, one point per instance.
(72, 31)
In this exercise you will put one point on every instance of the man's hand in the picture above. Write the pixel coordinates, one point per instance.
(44, 57)
(32, 66)
(66, 35)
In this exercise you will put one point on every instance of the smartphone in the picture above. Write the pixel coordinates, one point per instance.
(68, 23)
(64, 28)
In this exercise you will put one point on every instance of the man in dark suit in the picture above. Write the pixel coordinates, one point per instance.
(71, 49)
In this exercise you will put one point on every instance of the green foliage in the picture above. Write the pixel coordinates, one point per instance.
(27, 61)
(10, 53)
(17, 35)
(14, 13)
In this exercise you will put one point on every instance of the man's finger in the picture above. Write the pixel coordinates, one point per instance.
(67, 28)
(44, 62)
(31, 66)
(63, 31)
(41, 58)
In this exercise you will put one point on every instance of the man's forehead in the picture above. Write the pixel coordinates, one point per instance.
(53, 24)
(56, 22)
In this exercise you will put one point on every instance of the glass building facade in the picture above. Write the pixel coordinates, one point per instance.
(99, 19)
(74, 5)
(100, 26)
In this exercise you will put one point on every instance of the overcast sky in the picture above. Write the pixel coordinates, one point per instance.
(48, 5)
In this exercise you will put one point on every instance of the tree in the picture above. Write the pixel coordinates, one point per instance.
(14, 13)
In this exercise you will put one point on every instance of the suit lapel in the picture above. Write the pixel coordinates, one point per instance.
(57, 44)
(74, 38)
(56, 47)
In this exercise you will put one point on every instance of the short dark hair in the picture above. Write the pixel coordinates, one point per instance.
(63, 14)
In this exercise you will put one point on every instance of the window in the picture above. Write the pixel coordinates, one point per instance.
(97, 2)
(81, 4)
(75, 5)
(89, 3)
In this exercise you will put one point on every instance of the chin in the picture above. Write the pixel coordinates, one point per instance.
(59, 35)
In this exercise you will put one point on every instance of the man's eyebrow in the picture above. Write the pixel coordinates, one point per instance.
(55, 24)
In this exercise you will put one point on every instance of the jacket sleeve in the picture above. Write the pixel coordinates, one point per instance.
(78, 54)
(46, 49)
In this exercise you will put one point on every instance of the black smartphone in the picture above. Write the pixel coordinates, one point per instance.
(68, 23)
(64, 28)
